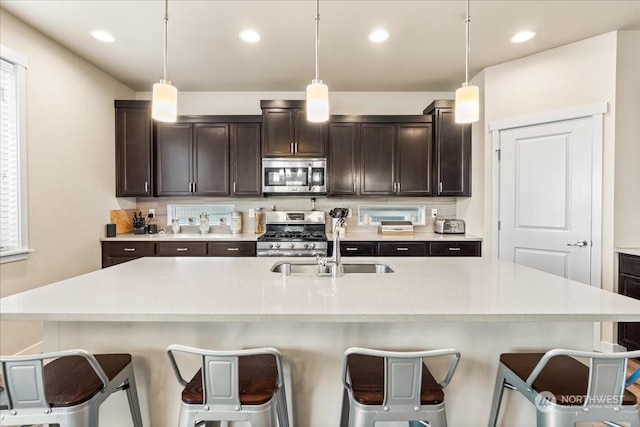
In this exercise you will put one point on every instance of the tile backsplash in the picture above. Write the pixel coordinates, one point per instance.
(446, 207)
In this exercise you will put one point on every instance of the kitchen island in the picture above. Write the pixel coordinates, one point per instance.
(481, 306)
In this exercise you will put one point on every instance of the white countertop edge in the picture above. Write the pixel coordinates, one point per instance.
(324, 318)
(629, 251)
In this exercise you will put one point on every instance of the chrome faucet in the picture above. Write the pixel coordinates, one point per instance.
(335, 261)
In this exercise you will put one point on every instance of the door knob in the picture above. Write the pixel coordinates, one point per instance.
(579, 243)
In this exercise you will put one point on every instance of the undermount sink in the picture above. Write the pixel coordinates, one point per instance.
(303, 267)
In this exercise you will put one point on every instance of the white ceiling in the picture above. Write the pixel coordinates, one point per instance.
(425, 51)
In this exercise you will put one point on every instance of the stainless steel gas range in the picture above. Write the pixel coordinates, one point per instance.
(293, 233)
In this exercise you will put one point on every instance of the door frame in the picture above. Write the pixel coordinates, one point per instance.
(596, 113)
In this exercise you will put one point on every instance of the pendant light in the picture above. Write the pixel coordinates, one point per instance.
(317, 92)
(164, 106)
(467, 97)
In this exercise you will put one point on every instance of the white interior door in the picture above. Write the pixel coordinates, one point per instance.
(545, 190)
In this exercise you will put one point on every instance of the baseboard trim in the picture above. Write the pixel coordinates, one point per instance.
(32, 349)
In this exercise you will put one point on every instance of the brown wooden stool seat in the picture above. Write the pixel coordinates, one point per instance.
(565, 391)
(67, 391)
(242, 385)
(564, 377)
(367, 381)
(257, 381)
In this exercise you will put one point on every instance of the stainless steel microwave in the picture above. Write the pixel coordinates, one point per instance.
(294, 176)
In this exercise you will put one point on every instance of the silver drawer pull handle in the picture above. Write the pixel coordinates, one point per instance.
(454, 249)
(233, 249)
(402, 249)
(182, 249)
(129, 249)
(579, 243)
(351, 249)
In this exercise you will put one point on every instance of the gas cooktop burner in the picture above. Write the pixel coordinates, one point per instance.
(291, 236)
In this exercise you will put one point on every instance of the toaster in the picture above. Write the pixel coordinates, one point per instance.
(449, 226)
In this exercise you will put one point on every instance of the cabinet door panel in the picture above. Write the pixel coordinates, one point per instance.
(246, 165)
(133, 152)
(413, 159)
(454, 248)
(376, 154)
(174, 159)
(357, 248)
(629, 265)
(310, 137)
(277, 133)
(235, 249)
(453, 154)
(343, 159)
(629, 333)
(211, 150)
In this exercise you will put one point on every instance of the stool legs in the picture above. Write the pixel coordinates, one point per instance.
(498, 390)
(132, 397)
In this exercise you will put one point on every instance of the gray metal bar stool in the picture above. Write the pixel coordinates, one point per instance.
(67, 391)
(565, 391)
(393, 386)
(244, 385)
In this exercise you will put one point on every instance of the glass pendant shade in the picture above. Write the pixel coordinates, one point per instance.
(317, 102)
(164, 106)
(467, 104)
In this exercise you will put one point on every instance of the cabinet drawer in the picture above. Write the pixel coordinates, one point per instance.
(401, 249)
(629, 265)
(454, 248)
(357, 248)
(232, 249)
(182, 249)
(128, 249)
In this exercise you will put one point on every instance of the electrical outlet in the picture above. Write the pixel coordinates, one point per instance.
(434, 213)
(350, 213)
(151, 213)
(252, 213)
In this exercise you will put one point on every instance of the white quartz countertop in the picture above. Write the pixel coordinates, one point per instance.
(185, 289)
(629, 251)
(374, 236)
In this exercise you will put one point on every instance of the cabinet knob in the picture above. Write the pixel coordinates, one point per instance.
(146, 186)
(440, 187)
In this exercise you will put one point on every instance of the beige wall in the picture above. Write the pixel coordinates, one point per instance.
(627, 149)
(71, 167)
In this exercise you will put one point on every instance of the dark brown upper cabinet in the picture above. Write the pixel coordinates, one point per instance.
(246, 165)
(286, 132)
(380, 155)
(134, 143)
(208, 156)
(452, 151)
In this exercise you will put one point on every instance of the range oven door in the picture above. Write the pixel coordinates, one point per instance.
(294, 176)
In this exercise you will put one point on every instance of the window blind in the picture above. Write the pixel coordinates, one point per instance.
(9, 159)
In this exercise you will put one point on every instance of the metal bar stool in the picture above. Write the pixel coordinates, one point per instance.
(393, 386)
(243, 385)
(67, 391)
(565, 391)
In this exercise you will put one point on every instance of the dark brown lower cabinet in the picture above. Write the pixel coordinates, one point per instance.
(114, 253)
(629, 285)
(445, 248)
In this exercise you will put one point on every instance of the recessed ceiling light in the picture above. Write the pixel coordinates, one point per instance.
(103, 36)
(378, 36)
(250, 36)
(523, 36)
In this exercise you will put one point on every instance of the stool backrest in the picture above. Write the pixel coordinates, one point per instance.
(220, 372)
(24, 378)
(402, 373)
(607, 375)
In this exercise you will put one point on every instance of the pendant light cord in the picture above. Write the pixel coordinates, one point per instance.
(467, 21)
(317, 38)
(166, 24)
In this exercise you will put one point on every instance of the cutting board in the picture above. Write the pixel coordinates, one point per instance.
(123, 219)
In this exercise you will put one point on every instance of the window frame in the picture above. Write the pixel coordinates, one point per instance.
(22, 252)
